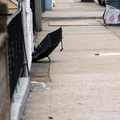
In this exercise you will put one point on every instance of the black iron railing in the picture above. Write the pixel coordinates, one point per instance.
(16, 50)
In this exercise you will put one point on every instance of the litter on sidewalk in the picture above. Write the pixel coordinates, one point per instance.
(111, 15)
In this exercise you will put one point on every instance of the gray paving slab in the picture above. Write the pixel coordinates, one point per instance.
(84, 86)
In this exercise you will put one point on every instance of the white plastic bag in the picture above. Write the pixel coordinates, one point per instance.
(111, 15)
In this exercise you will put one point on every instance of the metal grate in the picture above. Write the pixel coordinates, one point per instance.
(16, 50)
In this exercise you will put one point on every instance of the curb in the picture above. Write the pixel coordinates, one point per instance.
(20, 98)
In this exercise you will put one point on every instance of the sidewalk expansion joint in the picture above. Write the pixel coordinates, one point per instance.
(70, 18)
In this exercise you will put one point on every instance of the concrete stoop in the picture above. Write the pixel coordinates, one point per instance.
(20, 98)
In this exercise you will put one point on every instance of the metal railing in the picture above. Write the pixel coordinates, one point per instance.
(16, 50)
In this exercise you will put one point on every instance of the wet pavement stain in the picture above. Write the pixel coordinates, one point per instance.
(40, 86)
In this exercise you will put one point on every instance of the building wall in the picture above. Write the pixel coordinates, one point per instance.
(4, 84)
(4, 75)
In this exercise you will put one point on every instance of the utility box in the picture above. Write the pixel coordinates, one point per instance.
(48, 5)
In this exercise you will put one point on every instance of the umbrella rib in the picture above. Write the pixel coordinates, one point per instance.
(42, 47)
(49, 39)
(61, 45)
(49, 58)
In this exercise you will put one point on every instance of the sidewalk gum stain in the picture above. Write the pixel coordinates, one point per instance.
(50, 117)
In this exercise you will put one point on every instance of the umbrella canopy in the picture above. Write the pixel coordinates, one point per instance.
(48, 44)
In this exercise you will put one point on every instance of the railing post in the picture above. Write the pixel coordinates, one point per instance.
(25, 37)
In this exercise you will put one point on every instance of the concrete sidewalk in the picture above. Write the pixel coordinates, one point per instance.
(77, 84)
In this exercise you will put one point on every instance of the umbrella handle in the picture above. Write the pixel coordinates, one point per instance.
(61, 45)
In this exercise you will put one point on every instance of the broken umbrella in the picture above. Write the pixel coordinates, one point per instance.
(48, 44)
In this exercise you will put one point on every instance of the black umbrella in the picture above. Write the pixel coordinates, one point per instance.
(48, 44)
